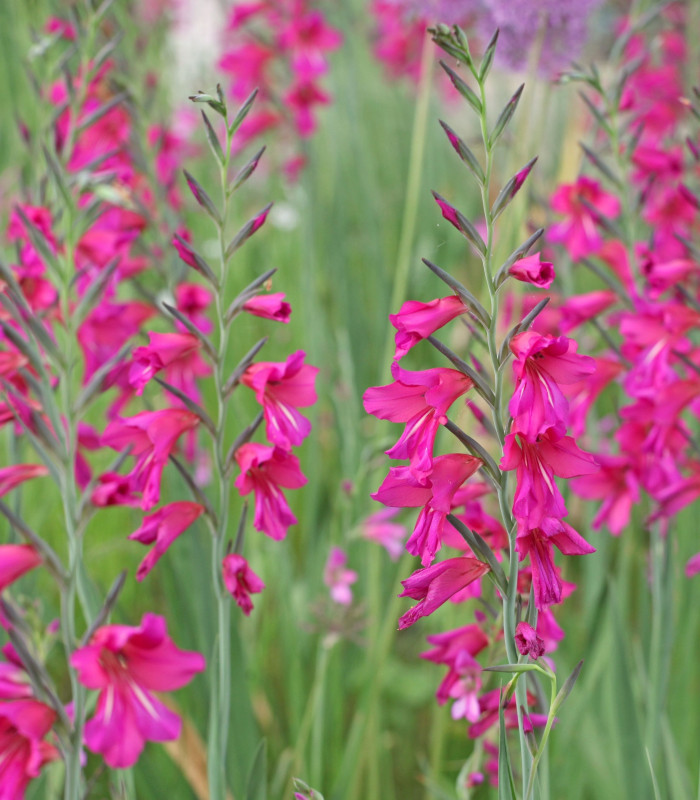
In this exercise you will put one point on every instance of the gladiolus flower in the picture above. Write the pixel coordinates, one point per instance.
(434, 585)
(269, 306)
(12, 476)
(378, 527)
(281, 388)
(152, 436)
(162, 351)
(528, 642)
(534, 271)
(337, 578)
(126, 664)
(416, 321)
(263, 471)
(162, 528)
(23, 726)
(15, 560)
(240, 581)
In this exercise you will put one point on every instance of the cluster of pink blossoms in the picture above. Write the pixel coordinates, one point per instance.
(115, 250)
(279, 47)
(649, 303)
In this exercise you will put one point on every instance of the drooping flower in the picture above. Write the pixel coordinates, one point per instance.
(416, 321)
(421, 400)
(126, 665)
(337, 578)
(281, 388)
(23, 752)
(269, 306)
(15, 561)
(534, 271)
(448, 647)
(263, 471)
(162, 528)
(152, 436)
(435, 585)
(527, 641)
(240, 581)
(543, 363)
(401, 488)
(162, 351)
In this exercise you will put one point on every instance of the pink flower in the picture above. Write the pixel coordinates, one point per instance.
(449, 647)
(269, 306)
(162, 351)
(537, 542)
(114, 490)
(15, 560)
(416, 321)
(301, 99)
(536, 463)
(434, 585)
(162, 528)
(435, 492)
(693, 566)
(337, 578)
(12, 476)
(582, 307)
(420, 399)
(281, 388)
(240, 581)
(152, 436)
(308, 37)
(528, 642)
(541, 364)
(579, 202)
(193, 300)
(379, 528)
(617, 485)
(23, 725)
(263, 471)
(126, 664)
(533, 270)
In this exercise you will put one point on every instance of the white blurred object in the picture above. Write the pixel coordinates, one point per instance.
(196, 40)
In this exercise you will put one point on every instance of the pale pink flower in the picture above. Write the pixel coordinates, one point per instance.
(240, 581)
(162, 528)
(378, 527)
(337, 578)
(126, 665)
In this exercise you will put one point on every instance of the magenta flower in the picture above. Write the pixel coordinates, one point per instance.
(580, 202)
(534, 271)
(269, 306)
(582, 307)
(127, 664)
(114, 490)
(436, 492)
(617, 485)
(528, 642)
(281, 388)
(23, 725)
(301, 98)
(263, 471)
(12, 476)
(337, 578)
(308, 37)
(449, 646)
(162, 528)
(163, 350)
(420, 399)
(537, 542)
(434, 585)
(536, 463)
(152, 436)
(15, 561)
(541, 364)
(240, 581)
(416, 321)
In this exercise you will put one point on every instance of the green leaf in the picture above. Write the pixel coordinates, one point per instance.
(505, 116)
(244, 436)
(59, 177)
(250, 291)
(468, 94)
(213, 139)
(242, 112)
(464, 153)
(242, 366)
(479, 383)
(596, 112)
(98, 113)
(256, 785)
(481, 550)
(245, 172)
(189, 404)
(511, 188)
(247, 231)
(193, 329)
(212, 102)
(477, 450)
(95, 291)
(514, 669)
(463, 225)
(506, 787)
(201, 196)
(199, 263)
(487, 60)
(601, 166)
(565, 690)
